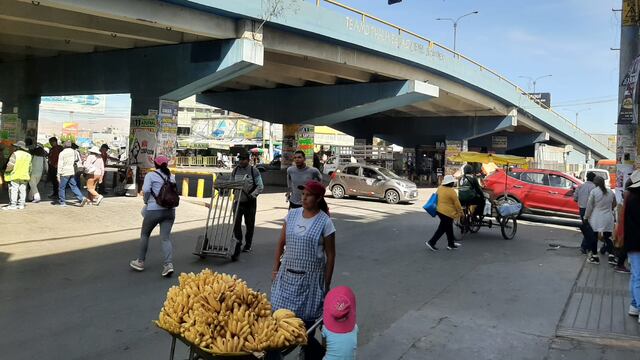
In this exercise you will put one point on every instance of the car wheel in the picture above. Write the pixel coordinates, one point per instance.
(392, 197)
(511, 201)
(337, 191)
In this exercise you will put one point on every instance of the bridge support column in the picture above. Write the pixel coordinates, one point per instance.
(27, 109)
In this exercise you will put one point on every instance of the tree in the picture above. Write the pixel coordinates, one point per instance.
(275, 9)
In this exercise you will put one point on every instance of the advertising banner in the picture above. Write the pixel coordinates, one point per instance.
(167, 138)
(92, 104)
(628, 107)
(11, 129)
(143, 145)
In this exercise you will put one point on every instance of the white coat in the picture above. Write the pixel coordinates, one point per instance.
(600, 210)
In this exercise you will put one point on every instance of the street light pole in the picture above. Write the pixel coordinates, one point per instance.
(455, 25)
(578, 113)
(534, 81)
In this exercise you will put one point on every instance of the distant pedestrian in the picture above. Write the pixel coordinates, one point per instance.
(17, 175)
(600, 217)
(248, 202)
(581, 196)
(94, 172)
(78, 164)
(52, 174)
(297, 175)
(67, 175)
(154, 215)
(632, 240)
(302, 273)
(339, 329)
(38, 171)
(448, 210)
(104, 154)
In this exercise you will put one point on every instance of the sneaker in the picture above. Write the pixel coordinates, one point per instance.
(431, 247)
(613, 260)
(621, 270)
(454, 247)
(62, 205)
(34, 201)
(10, 207)
(593, 259)
(84, 202)
(137, 265)
(633, 311)
(97, 202)
(246, 249)
(167, 270)
(20, 207)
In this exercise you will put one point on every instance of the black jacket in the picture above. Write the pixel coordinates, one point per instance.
(632, 221)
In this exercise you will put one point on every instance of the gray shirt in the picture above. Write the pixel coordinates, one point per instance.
(297, 177)
(581, 195)
(249, 192)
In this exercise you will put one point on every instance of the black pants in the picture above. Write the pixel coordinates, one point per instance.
(607, 247)
(621, 256)
(584, 246)
(446, 226)
(247, 210)
(52, 177)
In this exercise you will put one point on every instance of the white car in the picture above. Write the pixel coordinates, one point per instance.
(599, 172)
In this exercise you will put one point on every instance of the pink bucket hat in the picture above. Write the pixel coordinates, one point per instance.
(159, 160)
(340, 310)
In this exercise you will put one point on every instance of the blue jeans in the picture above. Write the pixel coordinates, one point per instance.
(71, 181)
(152, 218)
(634, 282)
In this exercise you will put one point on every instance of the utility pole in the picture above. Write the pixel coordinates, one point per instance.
(455, 25)
(626, 154)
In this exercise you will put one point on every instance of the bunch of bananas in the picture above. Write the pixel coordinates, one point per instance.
(221, 314)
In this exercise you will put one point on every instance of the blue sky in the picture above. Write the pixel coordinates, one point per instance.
(569, 39)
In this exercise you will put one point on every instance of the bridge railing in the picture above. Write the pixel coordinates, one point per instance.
(456, 55)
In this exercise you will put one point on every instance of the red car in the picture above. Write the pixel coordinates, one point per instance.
(539, 191)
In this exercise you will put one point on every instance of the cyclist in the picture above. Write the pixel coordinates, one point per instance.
(470, 192)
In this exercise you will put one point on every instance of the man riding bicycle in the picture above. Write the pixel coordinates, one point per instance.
(470, 191)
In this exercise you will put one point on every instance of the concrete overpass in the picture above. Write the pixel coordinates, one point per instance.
(312, 62)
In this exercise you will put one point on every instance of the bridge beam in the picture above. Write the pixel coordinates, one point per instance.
(171, 72)
(321, 105)
(514, 141)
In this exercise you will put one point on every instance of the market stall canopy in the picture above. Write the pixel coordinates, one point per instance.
(497, 159)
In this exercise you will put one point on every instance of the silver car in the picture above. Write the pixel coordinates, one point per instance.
(372, 181)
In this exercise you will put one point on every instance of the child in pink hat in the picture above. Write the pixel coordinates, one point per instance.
(340, 332)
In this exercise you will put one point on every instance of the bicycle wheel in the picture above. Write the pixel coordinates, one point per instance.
(474, 224)
(509, 227)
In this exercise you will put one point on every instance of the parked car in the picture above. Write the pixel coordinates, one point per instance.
(372, 181)
(539, 191)
(599, 172)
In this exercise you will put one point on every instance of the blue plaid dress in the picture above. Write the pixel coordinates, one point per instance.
(299, 285)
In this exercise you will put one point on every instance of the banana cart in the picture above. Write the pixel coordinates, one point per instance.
(504, 209)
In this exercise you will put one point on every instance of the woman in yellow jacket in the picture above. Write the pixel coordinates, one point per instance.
(448, 209)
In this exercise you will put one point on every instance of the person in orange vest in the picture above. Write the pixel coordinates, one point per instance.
(17, 174)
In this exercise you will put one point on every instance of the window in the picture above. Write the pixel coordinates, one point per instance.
(533, 178)
(351, 170)
(515, 175)
(369, 173)
(560, 182)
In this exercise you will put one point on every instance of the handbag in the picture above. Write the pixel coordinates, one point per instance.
(431, 206)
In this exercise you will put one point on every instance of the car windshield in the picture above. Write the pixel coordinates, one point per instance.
(388, 173)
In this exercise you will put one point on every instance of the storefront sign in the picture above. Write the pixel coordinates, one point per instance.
(499, 142)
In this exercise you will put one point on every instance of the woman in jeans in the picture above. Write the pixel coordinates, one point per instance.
(448, 209)
(154, 215)
(632, 240)
(600, 216)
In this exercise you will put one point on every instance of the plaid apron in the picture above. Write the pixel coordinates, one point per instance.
(299, 285)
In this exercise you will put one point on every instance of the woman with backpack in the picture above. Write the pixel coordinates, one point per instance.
(161, 199)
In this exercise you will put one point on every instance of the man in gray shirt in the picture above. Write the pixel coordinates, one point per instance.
(298, 175)
(248, 202)
(581, 196)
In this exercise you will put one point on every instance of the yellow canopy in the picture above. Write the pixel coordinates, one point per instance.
(497, 159)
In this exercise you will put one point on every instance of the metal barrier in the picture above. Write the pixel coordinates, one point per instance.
(456, 55)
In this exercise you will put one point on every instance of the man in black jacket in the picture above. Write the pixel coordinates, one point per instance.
(632, 240)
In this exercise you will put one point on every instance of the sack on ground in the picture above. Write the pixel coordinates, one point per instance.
(431, 206)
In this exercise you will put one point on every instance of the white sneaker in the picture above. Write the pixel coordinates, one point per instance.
(20, 207)
(97, 202)
(137, 265)
(634, 311)
(10, 207)
(167, 270)
(454, 247)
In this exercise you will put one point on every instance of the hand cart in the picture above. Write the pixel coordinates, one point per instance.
(197, 353)
(218, 239)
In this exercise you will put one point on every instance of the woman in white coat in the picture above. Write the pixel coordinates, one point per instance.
(38, 169)
(600, 216)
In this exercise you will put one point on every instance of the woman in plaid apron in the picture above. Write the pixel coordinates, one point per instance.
(302, 274)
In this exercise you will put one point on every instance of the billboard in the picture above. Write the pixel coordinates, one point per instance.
(92, 104)
(544, 98)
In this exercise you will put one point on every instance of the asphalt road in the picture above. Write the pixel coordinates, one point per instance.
(67, 291)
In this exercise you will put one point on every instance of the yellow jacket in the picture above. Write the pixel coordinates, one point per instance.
(448, 202)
